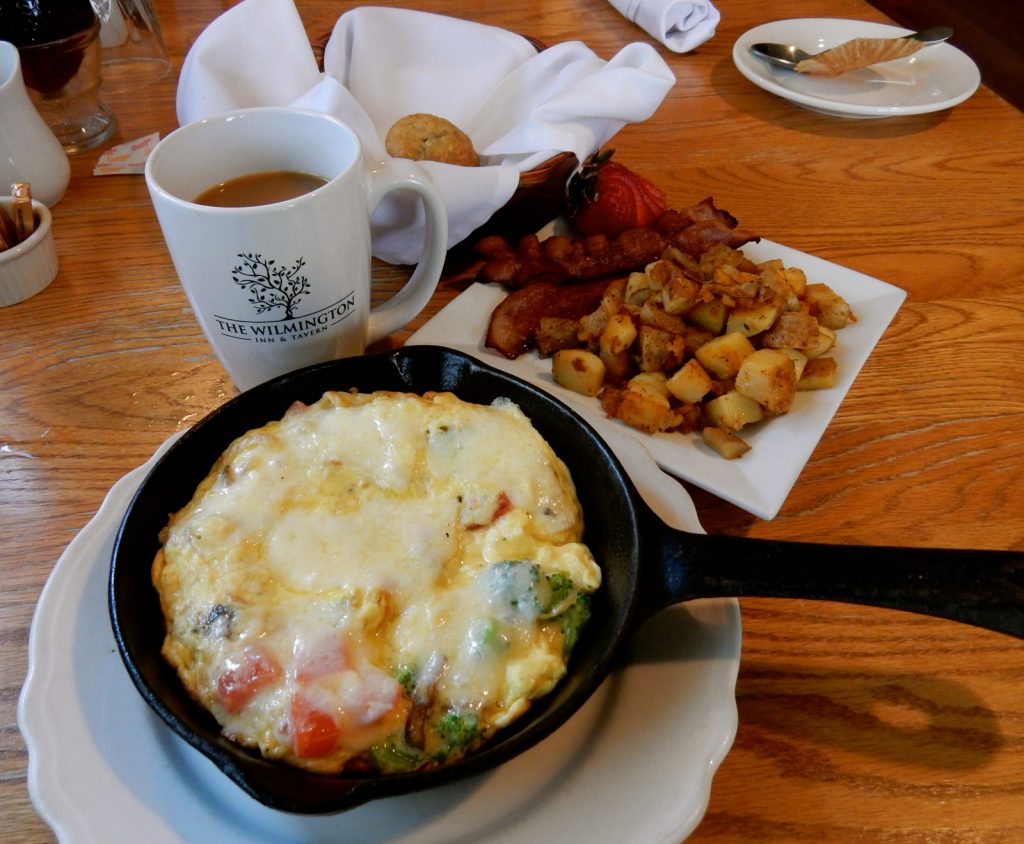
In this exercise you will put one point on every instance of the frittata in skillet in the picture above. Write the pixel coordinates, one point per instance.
(376, 582)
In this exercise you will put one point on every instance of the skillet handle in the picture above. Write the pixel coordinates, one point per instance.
(982, 588)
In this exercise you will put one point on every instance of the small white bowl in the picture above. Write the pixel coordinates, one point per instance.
(28, 267)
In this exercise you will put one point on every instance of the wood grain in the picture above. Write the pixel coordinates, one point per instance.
(856, 725)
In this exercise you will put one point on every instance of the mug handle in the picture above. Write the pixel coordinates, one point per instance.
(400, 309)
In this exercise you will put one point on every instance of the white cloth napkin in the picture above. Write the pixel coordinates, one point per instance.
(681, 25)
(520, 107)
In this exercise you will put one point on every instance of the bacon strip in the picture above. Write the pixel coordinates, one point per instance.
(699, 227)
(559, 259)
(514, 322)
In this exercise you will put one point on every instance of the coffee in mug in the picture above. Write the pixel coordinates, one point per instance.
(278, 284)
(260, 189)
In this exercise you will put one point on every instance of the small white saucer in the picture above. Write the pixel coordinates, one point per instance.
(935, 78)
(104, 768)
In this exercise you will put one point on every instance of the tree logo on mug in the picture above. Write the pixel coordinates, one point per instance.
(269, 285)
(275, 291)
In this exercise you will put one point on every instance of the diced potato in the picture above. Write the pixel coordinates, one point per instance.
(768, 377)
(640, 410)
(710, 315)
(662, 271)
(681, 259)
(795, 278)
(726, 443)
(772, 279)
(824, 343)
(618, 367)
(578, 370)
(831, 309)
(679, 295)
(695, 338)
(556, 333)
(690, 383)
(592, 326)
(652, 314)
(723, 355)
(655, 383)
(792, 330)
(639, 288)
(687, 418)
(614, 295)
(819, 374)
(717, 256)
(799, 360)
(732, 282)
(732, 411)
(618, 335)
(753, 319)
(660, 351)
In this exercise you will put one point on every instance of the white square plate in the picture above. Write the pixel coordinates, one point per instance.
(760, 480)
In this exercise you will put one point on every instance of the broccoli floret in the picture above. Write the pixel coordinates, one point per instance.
(513, 584)
(406, 676)
(518, 584)
(561, 587)
(394, 756)
(458, 729)
(487, 636)
(569, 609)
(572, 621)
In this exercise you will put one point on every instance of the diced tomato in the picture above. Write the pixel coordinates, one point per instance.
(314, 731)
(325, 655)
(503, 506)
(244, 675)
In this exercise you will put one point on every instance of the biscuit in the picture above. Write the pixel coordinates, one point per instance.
(432, 138)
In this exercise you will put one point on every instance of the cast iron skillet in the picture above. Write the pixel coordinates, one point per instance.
(646, 565)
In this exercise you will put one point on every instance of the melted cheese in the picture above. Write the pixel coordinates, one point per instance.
(346, 579)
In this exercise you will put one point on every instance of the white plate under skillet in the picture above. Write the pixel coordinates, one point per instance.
(934, 78)
(633, 765)
(761, 479)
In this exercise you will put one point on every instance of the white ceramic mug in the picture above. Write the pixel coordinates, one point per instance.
(280, 286)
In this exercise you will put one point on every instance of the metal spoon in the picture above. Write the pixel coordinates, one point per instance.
(788, 56)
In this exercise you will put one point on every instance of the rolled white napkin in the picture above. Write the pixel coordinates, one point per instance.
(681, 25)
(520, 107)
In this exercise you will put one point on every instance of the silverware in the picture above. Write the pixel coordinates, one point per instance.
(788, 56)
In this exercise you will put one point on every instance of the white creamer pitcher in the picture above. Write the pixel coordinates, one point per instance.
(29, 151)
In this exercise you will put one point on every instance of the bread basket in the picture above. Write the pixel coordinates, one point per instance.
(540, 195)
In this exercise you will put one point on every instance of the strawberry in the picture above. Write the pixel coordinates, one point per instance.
(606, 197)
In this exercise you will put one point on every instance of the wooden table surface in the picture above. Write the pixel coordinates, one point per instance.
(855, 724)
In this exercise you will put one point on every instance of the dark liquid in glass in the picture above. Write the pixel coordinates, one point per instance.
(51, 36)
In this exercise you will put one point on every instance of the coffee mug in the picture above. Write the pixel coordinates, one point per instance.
(281, 285)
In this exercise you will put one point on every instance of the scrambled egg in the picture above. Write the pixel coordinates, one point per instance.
(376, 582)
